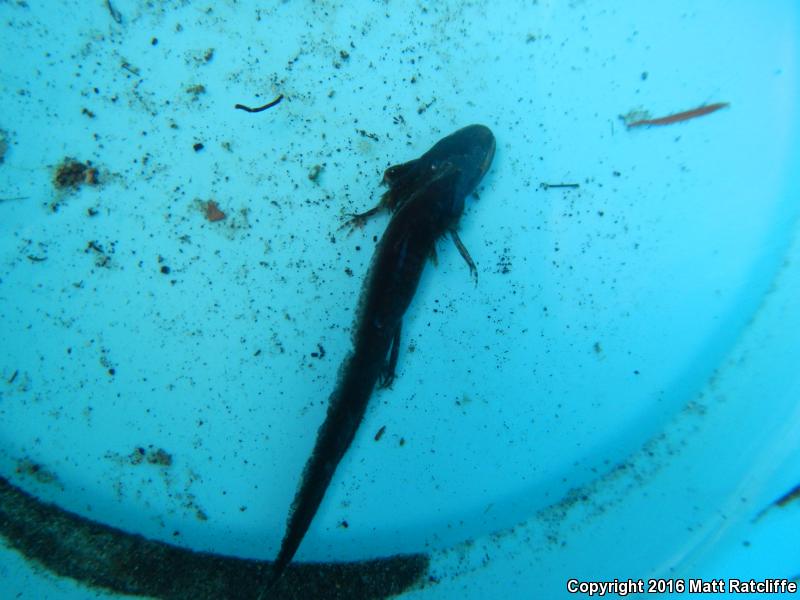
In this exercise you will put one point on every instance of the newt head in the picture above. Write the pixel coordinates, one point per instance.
(469, 151)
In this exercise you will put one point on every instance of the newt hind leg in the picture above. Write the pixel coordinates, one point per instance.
(388, 374)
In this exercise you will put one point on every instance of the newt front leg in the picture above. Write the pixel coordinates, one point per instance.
(356, 221)
(389, 201)
(462, 250)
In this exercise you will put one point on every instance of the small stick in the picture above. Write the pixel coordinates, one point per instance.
(260, 108)
(115, 14)
(681, 116)
(130, 68)
(14, 198)
(792, 494)
(548, 186)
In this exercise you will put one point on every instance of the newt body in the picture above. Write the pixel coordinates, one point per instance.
(426, 197)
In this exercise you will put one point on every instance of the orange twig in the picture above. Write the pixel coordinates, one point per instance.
(681, 116)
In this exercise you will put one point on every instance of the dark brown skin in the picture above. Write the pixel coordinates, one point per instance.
(426, 197)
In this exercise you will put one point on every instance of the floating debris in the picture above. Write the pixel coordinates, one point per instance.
(34, 470)
(72, 174)
(212, 211)
(425, 107)
(4, 137)
(313, 172)
(260, 108)
(548, 186)
(790, 496)
(115, 14)
(102, 255)
(367, 134)
(150, 455)
(196, 90)
(130, 68)
(642, 118)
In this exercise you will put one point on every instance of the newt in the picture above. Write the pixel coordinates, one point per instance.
(426, 198)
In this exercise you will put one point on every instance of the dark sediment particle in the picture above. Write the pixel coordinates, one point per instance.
(4, 141)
